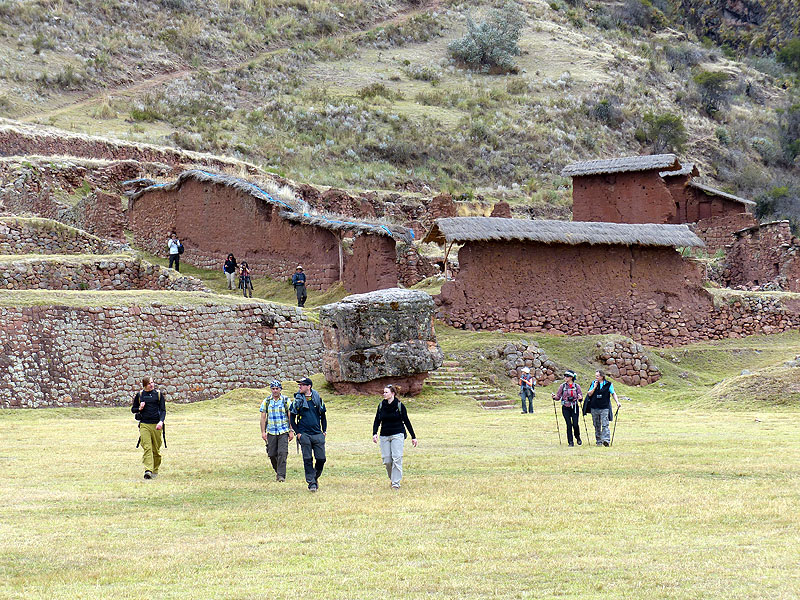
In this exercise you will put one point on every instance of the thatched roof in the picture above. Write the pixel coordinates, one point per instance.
(665, 162)
(715, 192)
(291, 213)
(687, 169)
(482, 229)
(337, 223)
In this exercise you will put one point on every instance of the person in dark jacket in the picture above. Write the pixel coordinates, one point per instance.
(308, 421)
(245, 279)
(150, 410)
(600, 395)
(569, 394)
(229, 268)
(299, 283)
(393, 421)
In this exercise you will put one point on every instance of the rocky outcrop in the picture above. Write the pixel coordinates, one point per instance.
(378, 338)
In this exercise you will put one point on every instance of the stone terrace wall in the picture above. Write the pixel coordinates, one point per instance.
(41, 236)
(765, 254)
(517, 356)
(412, 267)
(627, 361)
(100, 273)
(650, 295)
(81, 356)
(717, 232)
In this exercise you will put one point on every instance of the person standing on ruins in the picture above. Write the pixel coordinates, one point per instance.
(527, 386)
(245, 280)
(393, 421)
(600, 394)
(174, 245)
(150, 410)
(275, 429)
(229, 268)
(569, 394)
(299, 283)
(307, 419)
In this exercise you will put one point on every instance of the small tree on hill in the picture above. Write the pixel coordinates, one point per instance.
(790, 54)
(665, 132)
(493, 43)
(713, 86)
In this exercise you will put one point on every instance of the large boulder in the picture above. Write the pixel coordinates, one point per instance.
(378, 338)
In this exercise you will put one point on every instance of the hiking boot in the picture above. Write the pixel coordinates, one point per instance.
(605, 444)
(579, 441)
(571, 444)
(148, 475)
(280, 479)
(153, 475)
(312, 488)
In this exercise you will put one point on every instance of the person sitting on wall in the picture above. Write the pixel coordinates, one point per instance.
(299, 283)
(174, 245)
(527, 384)
(229, 268)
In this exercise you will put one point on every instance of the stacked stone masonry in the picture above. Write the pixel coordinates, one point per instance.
(628, 362)
(717, 232)
(764, 257)
(86, 356)
(96, 273)
(517, 356)
(44, 236)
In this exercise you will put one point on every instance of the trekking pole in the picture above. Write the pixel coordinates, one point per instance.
(586, 431)
(557, 427)
(615, 427)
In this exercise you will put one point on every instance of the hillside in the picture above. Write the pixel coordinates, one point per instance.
(365, 96)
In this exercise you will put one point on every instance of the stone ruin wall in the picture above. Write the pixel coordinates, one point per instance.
(213, 220)
(91, 356)
(412, 267)
(717, 232)
(628, 362)
(101, 273)
(517, 356)
(766, 254)
(578, 290)
(254, 231)
(33, 236)
(640, 197)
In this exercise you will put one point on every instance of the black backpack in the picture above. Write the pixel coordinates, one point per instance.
(180, 248)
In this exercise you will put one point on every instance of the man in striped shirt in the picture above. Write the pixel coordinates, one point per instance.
(275, 429)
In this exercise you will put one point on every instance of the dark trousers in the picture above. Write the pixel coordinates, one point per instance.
(278, 450)
(313, 444)
(300, 290)
(527, 392)
(571, 417)
(175, 259)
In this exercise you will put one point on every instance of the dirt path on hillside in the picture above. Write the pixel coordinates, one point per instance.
(84, 101)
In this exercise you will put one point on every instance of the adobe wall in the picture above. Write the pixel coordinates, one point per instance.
(651, 295)
(640, 197)
(39, 236)
(100, 273)
(372, 265)
(700, 205)
(92, 356)
(765, 254)
(213, 220)
(717, 232)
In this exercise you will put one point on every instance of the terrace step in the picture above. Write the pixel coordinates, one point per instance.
(466, 383)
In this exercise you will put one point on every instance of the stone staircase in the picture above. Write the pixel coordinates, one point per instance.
(452, 376)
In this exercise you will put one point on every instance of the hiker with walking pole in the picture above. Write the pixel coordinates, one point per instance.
(569, 394)
(600, 395)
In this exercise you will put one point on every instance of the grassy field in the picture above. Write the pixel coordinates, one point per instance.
(686, 504)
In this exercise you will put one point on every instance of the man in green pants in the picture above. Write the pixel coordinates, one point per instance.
(150, 410)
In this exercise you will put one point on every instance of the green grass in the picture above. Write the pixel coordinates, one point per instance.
(115, 298)
(687, 504)
(265, 288)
